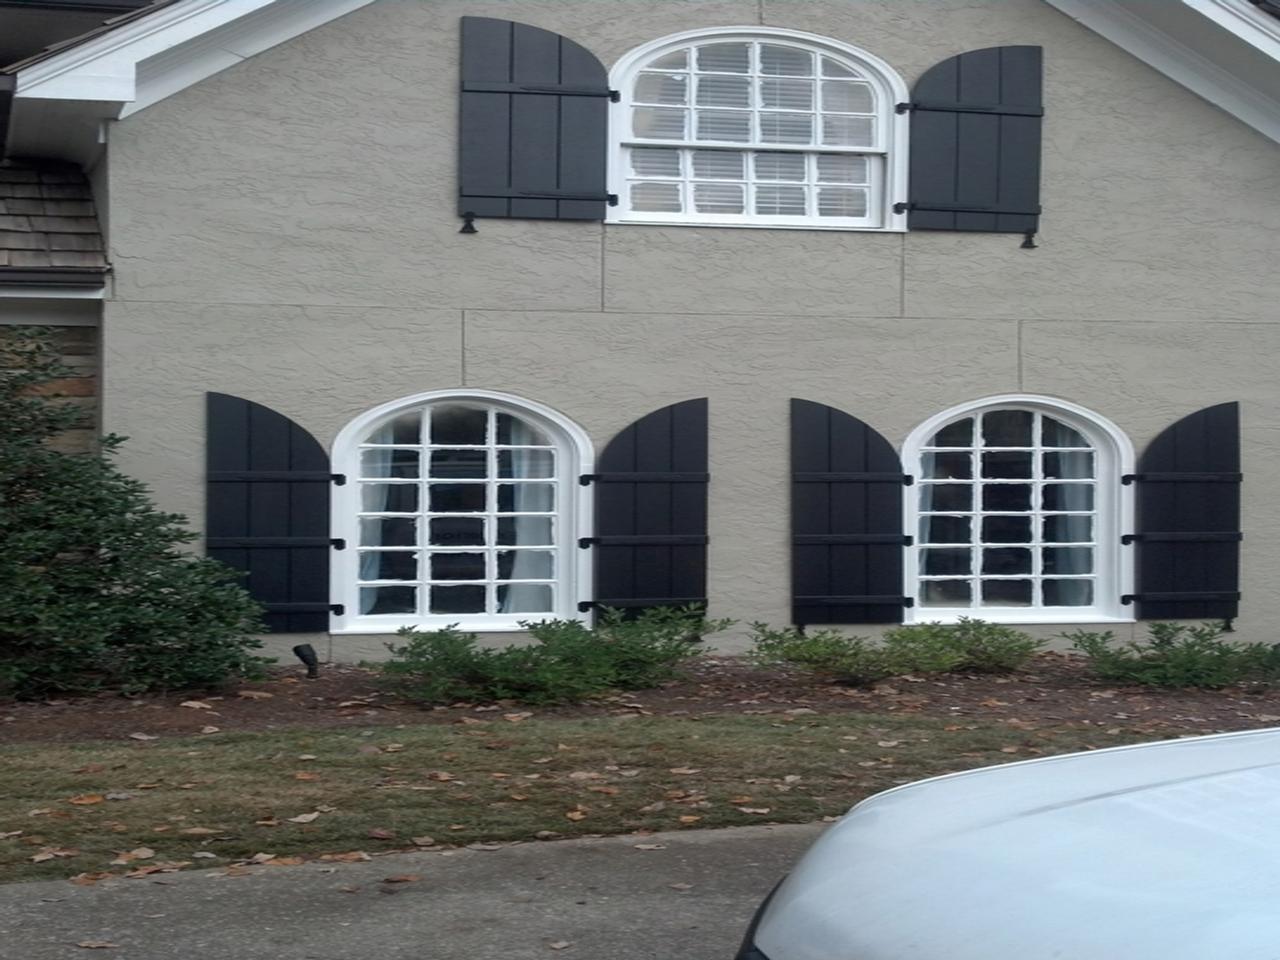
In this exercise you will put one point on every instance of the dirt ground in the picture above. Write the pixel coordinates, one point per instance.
(1053, 690)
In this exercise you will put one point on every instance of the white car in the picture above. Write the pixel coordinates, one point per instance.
(1162, 851)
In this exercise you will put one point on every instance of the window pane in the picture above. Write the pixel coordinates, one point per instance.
(1068, 593)
(1067, 560)
(388, 565)
(1067, 496)
(841, 97)
(526, 463)
(656, 197)
(718, 164)
(1077, 465)
(830, 68)
(375, 600)
(946, 497)
(388, 532)
(946, 562)
(1006, 593)
(1006, 560)
(457, 566)
(1006, 529)
(841, 168)
(406, 428)
(842, 202)
(1067, 529)
(658, 123)
(947, 466)
(786, 94)
(1007, 428)
(524, 598)
(1006, 464)
(653, 162)
(457, 497)
(526, 497)
(724, 125)
(389, 462)
(780, 166)
(513, 430)
(780, 61)
(945, 593)
(1057, 434)
(958, 434)
(848, 131)
(456, 532)
(459, 464)
(718, 197)
(389, 497)
(945, 529)
(675, 60)
(1006, 496)
(457, 599)
(459, 425)
(724, 57)
(788, 201)
(526, 565)
(724, 92)
(524, 531)
(664, 88)
(786, 127)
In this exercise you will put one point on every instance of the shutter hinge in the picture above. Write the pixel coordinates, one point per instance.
(586, 479)
(611, 199)
(339, 479)
(901, 207)
(585, 542)
(338, 543)
(901, 108)
(337, 609)
(1029, 241)
(615, 96)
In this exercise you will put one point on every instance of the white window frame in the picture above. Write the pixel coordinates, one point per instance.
(893, 134)
(1113, 505)
(575, 456)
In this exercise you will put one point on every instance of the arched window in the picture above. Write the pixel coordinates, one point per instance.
(459, 508)
(756, 126)
(1017, 512)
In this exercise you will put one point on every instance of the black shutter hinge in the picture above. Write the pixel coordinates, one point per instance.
(908, 601)
(908, 480)
(615, 96)
(901, 207)
(1029, 241)
(337, 609)
(611, 199)
(338, 543)
(339, 479)
(468, 223)
(587, 479)
(585, 542)
(901, 108)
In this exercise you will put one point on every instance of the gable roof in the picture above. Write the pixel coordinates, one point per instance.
(49, 231)
(108, 24)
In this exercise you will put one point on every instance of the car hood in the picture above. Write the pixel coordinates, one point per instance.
(1167, 850)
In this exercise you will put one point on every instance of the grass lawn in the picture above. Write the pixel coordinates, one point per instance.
(70, 809)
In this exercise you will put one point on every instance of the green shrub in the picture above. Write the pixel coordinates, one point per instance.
(854, 660)
(567, 662)
(95, 591)
(1178, 655)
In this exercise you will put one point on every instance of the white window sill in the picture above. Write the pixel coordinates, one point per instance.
(1063, 615)
(626, 221)
(368, 626)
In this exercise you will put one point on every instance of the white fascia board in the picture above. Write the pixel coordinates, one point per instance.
(1243, 19)
(1178, 61)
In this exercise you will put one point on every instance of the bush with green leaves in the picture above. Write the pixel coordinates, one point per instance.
(1178, 655)
(95, 590)
(566, 662)
(925, 648)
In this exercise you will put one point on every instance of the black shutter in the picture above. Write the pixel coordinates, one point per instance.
(651, 511)
(846, 520)
(1188, 519)
(533, 121)
(975, 143)
(267, 510)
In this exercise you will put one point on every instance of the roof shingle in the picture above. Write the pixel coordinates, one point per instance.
(47, 220)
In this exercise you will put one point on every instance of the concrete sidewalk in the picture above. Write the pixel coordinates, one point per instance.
(607, 899)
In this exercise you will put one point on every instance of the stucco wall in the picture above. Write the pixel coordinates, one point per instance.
(285, 231)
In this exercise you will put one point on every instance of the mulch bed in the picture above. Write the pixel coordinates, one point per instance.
(1053, 690)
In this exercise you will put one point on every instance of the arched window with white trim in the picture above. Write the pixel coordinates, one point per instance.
(459, 508)
(758, 126)
(1016, 513)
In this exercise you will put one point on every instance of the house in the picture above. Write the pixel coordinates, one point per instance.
(821, 311)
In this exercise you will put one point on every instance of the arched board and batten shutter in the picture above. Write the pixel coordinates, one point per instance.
(267, 510)
(846, 520)
(1188, 519)
(651, 512)
(975, 142)
(533, 124)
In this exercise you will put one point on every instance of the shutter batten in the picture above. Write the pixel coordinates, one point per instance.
(533, 121)
(975, 143)
(847, 539)
(267, 510)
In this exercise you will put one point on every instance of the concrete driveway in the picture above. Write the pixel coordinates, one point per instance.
(603, 899)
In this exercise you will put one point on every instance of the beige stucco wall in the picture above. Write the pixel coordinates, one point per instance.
(285, 231)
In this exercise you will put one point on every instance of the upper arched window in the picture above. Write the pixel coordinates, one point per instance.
(758, 127)
(458, 508)
(1016, 513)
